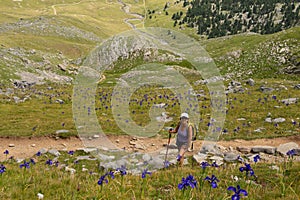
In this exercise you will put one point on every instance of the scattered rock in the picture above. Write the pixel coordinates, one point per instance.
(275, 167)
(43, 151)
(59, 101)
(250, 82)
(62, 67)
(211, 149)
(279, 120)
(85, 158)
(54, 152)
(230, 157)
(284, 148)
(289, 101)
(263, 149)
(235, 87)
(11, 145)
(69, 169)
(245, 150)
(297, 87)
(269, 119)
(200, 157)
(96, 136)
(62, 131)
(266, 89)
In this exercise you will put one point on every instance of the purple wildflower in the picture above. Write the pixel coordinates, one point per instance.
(25, 165)
(204, 165)
(256, 158)
(247, 169)
(189, 181)
(49, 162)
(213, 181)
(122, 170)
(102, 179)
(2, 169)
(145, 172)
(291, 153)
(237, 192)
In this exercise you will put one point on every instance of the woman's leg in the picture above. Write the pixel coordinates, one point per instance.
(181, 154)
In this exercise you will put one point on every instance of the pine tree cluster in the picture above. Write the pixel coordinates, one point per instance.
(215, 18)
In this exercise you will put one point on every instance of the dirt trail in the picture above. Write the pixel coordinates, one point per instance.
(27, 147)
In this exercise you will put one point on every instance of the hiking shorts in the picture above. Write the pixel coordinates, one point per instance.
(183, 145)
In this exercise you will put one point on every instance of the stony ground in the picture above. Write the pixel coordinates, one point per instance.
(27, 147)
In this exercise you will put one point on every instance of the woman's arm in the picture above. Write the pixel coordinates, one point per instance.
(174, 130)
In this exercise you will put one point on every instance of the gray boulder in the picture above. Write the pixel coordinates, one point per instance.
(230, 157)
(210, 149)
(284, 148)
(263, 149)
(54, 152)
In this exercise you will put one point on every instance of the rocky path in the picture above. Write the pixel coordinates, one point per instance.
(27, 147)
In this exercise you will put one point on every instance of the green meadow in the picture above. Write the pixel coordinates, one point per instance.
(68, 30)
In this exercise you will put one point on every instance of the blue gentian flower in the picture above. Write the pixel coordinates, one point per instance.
(49, 162)
(71, 152)
(122, 170)
(102, 179)
(213, 181)
(111, 174)
(256, 158)
(189, 181)
(145, 172)
(6, 152)
(167, 164)
(291, 153)
(237, 192)
(25, 165)
(2, 169)
(38, 153)
(248, 169)
(204, 165)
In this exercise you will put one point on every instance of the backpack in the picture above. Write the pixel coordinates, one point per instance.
(194, 134)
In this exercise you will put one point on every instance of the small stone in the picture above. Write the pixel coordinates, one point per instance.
(61, 131)
(244, 149)
(140, 146)
(268, 120)
(11, 145)
(117, 141)
(275, 167)
(279, 120)
(33, 145)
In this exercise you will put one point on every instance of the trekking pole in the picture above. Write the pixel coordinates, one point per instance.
(167, 148)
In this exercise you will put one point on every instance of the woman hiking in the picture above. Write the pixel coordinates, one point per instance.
(184, 136)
